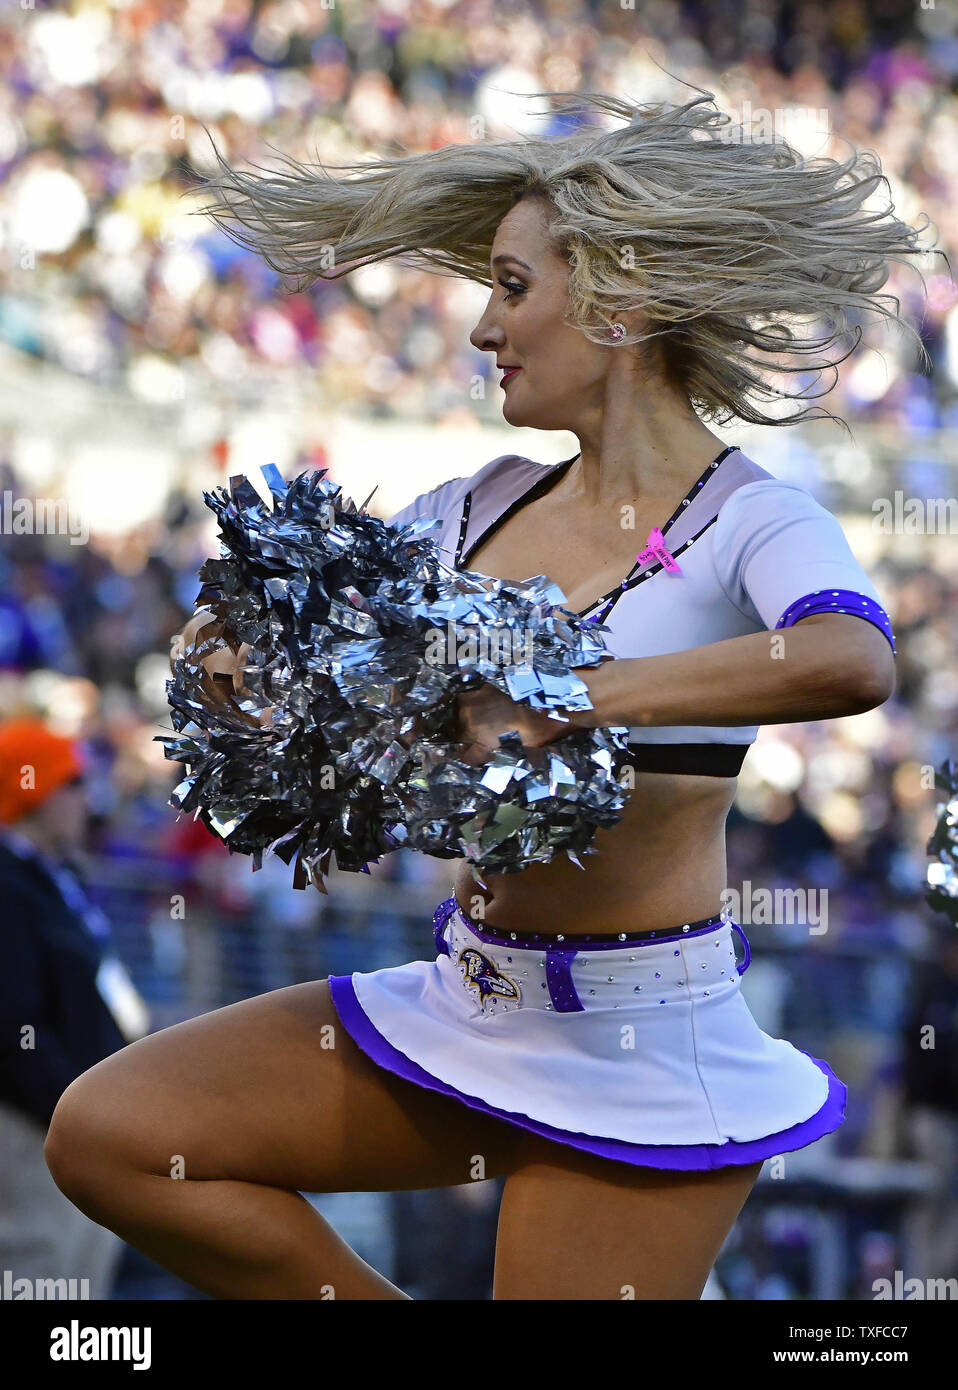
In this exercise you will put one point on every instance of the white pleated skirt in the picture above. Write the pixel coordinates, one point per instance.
(641, 1049)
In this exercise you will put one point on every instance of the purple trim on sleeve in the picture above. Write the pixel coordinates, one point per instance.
(562, 990)
(677, 1156)
(838, 601)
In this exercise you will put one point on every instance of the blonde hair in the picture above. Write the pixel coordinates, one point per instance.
(740, 255)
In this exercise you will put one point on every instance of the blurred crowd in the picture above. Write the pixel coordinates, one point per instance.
(108, 278)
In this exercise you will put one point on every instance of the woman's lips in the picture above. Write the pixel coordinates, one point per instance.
(507, 374)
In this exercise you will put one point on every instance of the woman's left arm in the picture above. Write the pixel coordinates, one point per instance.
(823, 667)
(775, 552)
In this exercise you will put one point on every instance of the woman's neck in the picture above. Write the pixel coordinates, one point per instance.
(645, 441)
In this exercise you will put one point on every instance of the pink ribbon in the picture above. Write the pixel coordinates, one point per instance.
(656, 549)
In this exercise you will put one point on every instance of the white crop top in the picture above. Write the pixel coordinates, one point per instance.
(755, 553)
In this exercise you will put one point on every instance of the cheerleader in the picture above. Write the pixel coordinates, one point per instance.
(578, 1031)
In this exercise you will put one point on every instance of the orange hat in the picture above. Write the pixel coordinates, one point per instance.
(34, 763)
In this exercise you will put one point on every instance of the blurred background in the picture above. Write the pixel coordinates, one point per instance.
(144, 357)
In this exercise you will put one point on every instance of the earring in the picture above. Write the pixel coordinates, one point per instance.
(617, 330)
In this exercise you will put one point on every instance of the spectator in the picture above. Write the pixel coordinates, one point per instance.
(65, 1003)
(930, 1092)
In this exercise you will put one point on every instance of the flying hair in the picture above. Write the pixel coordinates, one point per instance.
(742, 259)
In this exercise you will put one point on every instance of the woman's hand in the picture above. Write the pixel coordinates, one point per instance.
(486, 713)
(222, 679)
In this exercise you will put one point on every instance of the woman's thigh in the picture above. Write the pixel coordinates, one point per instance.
(269, 1090)
(576, 1227)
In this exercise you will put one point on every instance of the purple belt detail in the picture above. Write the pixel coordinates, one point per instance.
(748, 954)
(542, 941)
(559, 979)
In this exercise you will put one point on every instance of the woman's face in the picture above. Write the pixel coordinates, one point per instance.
(561, 373)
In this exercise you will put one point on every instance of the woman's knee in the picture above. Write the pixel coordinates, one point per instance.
(89, 1138)
(306, 1110)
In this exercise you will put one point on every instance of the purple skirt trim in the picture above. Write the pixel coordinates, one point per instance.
(678, 1156)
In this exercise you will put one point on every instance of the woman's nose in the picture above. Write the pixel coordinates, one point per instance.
(486, 336)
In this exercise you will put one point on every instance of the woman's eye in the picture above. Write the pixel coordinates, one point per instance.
(513, 286)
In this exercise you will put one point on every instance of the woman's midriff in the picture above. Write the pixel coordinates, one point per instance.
(662, 865)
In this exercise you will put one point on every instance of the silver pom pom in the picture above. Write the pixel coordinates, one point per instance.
(360, 634)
